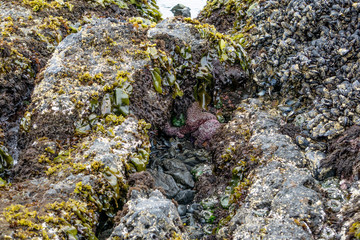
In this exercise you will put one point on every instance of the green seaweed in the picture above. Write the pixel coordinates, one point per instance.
(178, 122)
(157, 81)
(6, 160)
(121, 102)
(355, 230)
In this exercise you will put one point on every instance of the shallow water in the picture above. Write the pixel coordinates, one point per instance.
(166, 5)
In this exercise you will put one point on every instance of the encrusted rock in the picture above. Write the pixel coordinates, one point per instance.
(149, 216)
(282, 198)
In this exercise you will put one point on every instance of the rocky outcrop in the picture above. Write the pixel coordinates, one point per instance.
(83, 131)
(149, 216)
(303, 54)
(306, 56)
(102, 84)
(30, 32)
(32, 29)
(73, 166)
(302, 47)
(283, 199)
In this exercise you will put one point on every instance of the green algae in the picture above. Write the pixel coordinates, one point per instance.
(121, 102)
(221, 47)
(355, 230)
(6, 160)
(38, 5)
(140, 160)
(157, 81)
(139, 164)
(2, 182)
(178, 122)
(147, 9)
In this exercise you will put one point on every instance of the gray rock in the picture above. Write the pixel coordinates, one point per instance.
(182, 209)
(179, 172)
(282, 193)
(166, 182)
(185, 196)
(177, 30)
(181, 10)
(149, 217)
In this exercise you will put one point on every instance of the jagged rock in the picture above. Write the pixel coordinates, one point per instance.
(149, 216)
(283, 199)
(166, 182)
(185, 196)
(74, 158)
(179, 172)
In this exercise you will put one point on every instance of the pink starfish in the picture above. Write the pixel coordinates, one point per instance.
(202, 125)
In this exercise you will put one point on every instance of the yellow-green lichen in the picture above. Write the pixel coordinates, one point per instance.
(355, 230)
(38, 5)
(87, 78)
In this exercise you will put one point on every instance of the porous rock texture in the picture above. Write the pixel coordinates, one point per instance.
(67, 99)
(99, 82)
(30, 31)
(83, 131)
(283, 200)
(151, 216)
(64, 183)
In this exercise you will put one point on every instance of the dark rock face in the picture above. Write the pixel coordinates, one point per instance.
(166, 182)
(221, 14)
(181, 10)
(343, 154)
(310, 50)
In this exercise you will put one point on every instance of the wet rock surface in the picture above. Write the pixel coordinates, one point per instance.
(181, 163)
(63, 184)
(30, 31)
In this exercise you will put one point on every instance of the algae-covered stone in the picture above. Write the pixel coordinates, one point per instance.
(85, 177)
(32, 29)
(281, 189)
